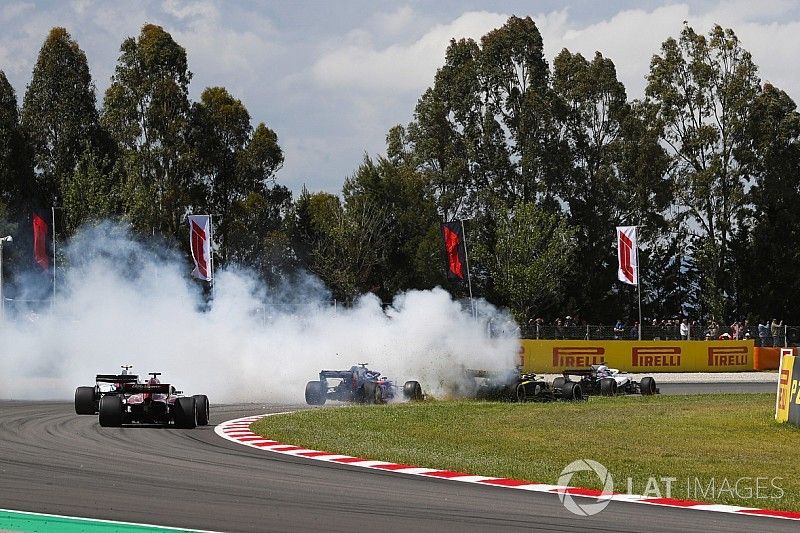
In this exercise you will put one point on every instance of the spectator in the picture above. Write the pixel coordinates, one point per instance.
(635, 331)
(713, 329)
(619, 329)
(763, 331)
(735, 328)
(776, 329)
(685, 329)
(559, 329)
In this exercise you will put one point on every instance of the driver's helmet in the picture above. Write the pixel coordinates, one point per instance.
(153, 381)
(603, 371)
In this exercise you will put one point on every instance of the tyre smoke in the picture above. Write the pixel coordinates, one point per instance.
(123, 302)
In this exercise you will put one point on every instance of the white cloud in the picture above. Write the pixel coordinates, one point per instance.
(399, 67)
(396, 22)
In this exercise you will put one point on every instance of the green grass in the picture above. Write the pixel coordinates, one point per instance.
(704, 438)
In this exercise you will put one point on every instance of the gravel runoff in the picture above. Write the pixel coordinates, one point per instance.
(701, 377)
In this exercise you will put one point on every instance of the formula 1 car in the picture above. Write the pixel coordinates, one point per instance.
(359, 384)
(124, 399)
(516, 386)
(604, 381)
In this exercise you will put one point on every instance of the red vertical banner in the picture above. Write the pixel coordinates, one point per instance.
(455, 250)
(200, 244)
(627, 252)
(40, 242)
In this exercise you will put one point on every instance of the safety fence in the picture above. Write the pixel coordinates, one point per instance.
(785, 335)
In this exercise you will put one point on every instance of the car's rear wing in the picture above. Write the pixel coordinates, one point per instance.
(114, 378)
(340, 374)
(140, 388)
(578, 372)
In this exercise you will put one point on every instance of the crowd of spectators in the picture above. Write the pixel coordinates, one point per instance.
(764, 332)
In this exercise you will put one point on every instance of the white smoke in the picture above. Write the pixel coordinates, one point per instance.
(122, 302)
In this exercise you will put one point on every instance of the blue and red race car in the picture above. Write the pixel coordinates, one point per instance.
(359, 384)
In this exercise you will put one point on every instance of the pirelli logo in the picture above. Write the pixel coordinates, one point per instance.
(727, 355)
(578, 356)
(661, 356)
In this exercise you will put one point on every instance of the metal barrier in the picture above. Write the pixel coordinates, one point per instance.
(785, 335)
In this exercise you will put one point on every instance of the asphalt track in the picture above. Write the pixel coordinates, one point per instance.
(54, 461)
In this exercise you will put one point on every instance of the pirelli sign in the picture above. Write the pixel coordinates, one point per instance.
(546, 356)
(787, 402)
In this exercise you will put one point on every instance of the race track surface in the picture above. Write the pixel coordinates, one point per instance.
(54, 461)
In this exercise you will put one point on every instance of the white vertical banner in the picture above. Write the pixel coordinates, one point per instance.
(628, 254)
(200, 244)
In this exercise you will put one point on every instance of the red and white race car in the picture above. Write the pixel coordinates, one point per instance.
(124, 399)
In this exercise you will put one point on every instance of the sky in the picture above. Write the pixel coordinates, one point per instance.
(331, 77)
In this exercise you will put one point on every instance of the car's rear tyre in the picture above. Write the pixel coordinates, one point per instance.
(111, 411)
(315, 394)
(647, 386)
(522, 394)
(608, 387)
(572, 391)
(559, 382)
(412, 390)
(369, 392)
(185, 413)
(84, 401)
(203, 408)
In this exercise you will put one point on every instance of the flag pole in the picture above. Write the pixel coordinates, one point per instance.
(211, 251)
(469, 278)
(638, 282)
(53, 211)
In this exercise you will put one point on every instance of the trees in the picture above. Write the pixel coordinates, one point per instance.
(702, 90)
(343, 244)
(400, 195)
(770, 233)
(15, 170)
(232, 161)
(59, 116)
(146, 111)
(532, 260)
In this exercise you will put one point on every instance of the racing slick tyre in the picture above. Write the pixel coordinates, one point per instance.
(370, 392)
(185, 413)
(84, 401)
(412, 390)
(608, 387)
(111, 411)
(572, 391)
(315, 395)
(201, 403)
(647, 386)
(559, 382)
(522, 394)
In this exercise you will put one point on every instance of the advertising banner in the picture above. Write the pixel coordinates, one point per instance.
(787, 404)
(555, 356)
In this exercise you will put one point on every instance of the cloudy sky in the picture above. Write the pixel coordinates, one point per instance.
(331, 77)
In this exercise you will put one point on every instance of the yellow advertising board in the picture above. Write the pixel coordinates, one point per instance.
(554, 356)
(787, 403)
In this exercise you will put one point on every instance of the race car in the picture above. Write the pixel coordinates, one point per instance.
(124, 399)
(359, 384)
(517, 386)
(604, 381)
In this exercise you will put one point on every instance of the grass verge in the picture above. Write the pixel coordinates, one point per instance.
(707, 443)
